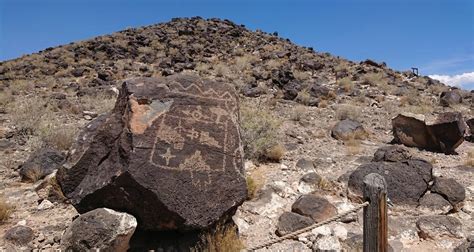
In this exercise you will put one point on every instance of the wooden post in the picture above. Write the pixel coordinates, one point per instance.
(375, 214)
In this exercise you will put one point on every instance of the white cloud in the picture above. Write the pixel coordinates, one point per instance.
(465, 80)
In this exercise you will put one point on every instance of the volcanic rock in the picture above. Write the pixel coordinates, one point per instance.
(318, 208)
(20, 235)
(436, 226)
(443, 135)
(451, 97)
(435, 204)
(169, 150)
(100, 229)
(406, 181)
(290, 222)
(449, 188)
(391, 154)
(40, 164)
(347, 129)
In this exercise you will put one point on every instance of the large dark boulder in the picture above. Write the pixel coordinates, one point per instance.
(444, 134)
(100, 229)
(40, 164)
(450, 189)
(407, 180)
(169, 153)
(290, 222)
(19, 235)
(316, 207)
(451, 97)
(347, 129)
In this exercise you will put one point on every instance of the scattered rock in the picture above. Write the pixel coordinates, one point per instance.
(435, 204)
(290, 222)
(347, 129)
(470, 123)
(443, 135)
(316, 207)
(437, 226)
(327, 243)
(305, 164)
(45, 204)
(309, 183)
(406, 181)
(100, 229)
(449, 188)
(391, 154)
(41, 163)
(163, 162)
(19, 235)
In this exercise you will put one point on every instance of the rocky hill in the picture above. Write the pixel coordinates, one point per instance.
(310, 125)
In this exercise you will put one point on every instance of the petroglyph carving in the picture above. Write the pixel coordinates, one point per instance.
(206, 139)
(167, 156)
(219, 112)
(170, 136)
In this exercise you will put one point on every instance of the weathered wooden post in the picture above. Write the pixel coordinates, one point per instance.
(375, 214)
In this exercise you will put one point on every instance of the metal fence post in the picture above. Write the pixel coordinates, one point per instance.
(375, 214)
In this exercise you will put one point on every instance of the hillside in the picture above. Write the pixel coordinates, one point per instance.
(294, 95)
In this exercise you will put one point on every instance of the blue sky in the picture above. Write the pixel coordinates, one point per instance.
(437, 36)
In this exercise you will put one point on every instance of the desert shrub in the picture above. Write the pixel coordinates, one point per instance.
(259, 130)
(21, 86)
(100, 103)
(275, 152)
(325, 184)
(244, 62)
(470, 159)
(27, 113)
(347, 111)
(221, 70)
(304, 97)
(353, 145)
(56, 134)
(5, 98)
(323, 104)
(346, 84)
(297, 113)
(301, 75)
(375, 79)
(5, 210)
(222, 238)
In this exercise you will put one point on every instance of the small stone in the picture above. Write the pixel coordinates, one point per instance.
(436, 226)
(450, 188)
(391, 154)
(322, 230)
(340, 232)
(347, 129)
(327, 243)
(290, 222)
(100, 229)
(434, 203)
(45, 204)
(305, 164)
(20, 235)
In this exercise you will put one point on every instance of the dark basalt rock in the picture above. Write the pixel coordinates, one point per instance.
(391, 154)
(290, 222)
(407, 180)
(168, 151)
(451, 97)
(347, 129)
(40, 164)
(19, 235)
(450, 189)
(318, 208)
(443, 135)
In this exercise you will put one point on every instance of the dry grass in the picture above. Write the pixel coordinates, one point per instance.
(325, 184)
(221, 239)
(298, 113)
(375, 79)
(100, 103)
(301, 75)
(27, 113)
(303, 97)
(470, 159)
(222, 70)
(58, 135)
(353, 146)
(255, 182)
(259, 130)
(5, 210)
(275, 153)
(347, 111)
(346, 84)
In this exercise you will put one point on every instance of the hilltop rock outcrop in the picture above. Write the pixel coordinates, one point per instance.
(444, 134)
(167, 153)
